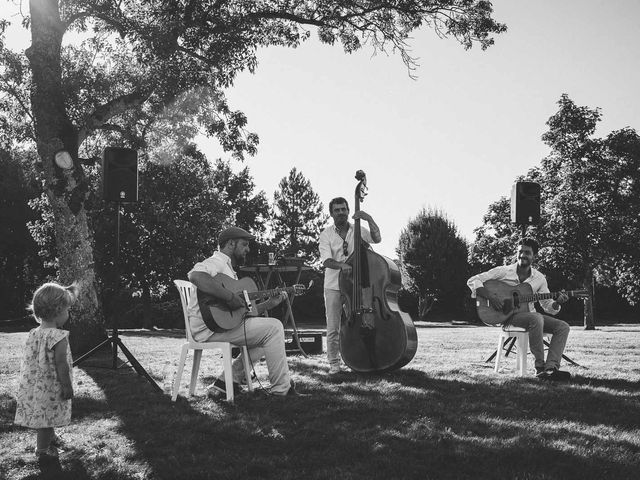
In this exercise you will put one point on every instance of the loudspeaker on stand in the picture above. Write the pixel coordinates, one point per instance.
(120, 174)
(525, 203)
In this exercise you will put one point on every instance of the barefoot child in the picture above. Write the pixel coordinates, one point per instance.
(45, 390)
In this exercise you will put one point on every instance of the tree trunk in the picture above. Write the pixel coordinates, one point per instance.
(65, 189)
(589, 320)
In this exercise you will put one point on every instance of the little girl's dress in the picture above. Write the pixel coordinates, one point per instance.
(39, 397)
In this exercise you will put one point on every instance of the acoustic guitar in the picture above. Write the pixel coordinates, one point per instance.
(217, 315)
(515, 299)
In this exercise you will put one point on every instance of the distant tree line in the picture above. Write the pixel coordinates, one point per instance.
(589, 226)
(590, 208)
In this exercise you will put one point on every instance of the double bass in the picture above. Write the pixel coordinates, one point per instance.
(375, 335)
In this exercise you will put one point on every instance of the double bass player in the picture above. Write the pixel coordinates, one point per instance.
(336, 244)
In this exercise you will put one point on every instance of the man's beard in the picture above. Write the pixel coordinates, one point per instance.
(240, 259)
(341, 220)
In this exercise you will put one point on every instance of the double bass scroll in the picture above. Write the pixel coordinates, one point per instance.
(375, 335)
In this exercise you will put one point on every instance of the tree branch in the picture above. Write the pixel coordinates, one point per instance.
(105, 112)
(14, 93)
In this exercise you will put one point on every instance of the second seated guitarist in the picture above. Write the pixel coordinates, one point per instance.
(535, 323)
(264, 336)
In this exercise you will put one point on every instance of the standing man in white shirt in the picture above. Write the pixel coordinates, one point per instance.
(535, 323)
(264, 336)
(336, 244)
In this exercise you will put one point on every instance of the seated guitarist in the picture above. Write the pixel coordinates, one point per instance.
(535, 323)
(264, 336)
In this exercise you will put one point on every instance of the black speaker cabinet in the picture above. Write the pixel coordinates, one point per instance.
(120, 174)
(525, 203)
(311, 342)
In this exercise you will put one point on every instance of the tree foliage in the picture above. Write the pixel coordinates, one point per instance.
(592, 186)
(495, 238)
(297, 217)
(433, 260)
(174, 223)
(139, 57)
(244, 208)
(20, 265)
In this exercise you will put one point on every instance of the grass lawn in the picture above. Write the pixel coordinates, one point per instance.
(445, 415)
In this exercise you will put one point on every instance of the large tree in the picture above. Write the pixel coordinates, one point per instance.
(592, 187)
(149, 52)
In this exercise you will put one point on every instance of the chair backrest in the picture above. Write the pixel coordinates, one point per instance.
(185, 288)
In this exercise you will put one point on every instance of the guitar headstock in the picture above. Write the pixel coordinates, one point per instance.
(299, 289)
(361, 188)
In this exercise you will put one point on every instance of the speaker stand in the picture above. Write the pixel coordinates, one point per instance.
(509, 343)
(114, 339)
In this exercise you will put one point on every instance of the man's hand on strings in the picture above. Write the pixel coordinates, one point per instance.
(236, 302)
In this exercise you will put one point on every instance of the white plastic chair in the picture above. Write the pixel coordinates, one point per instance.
(522, 347)
(185, 288)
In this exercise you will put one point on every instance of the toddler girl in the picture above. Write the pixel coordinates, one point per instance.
(45, 390)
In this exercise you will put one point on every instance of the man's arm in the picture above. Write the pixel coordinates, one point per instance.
(325, 254)
(376, 237)
(476, 285)
(336, 265)
(205, 282)
(551, 306)
(271, 303)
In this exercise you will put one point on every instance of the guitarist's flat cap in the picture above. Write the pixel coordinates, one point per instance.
(232, 233)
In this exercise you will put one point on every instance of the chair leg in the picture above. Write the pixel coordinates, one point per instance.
(247, 367)
(500, 353)
(521, 357)
(525, 354)
(176, 381)
(228, 373)
(197, 356)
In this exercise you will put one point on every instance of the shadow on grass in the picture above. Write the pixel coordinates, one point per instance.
(404, 424)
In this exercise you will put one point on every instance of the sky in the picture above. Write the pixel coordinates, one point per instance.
(455, 138)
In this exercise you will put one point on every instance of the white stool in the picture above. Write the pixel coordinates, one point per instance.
(522, 347)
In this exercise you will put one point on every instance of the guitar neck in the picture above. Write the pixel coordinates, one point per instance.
(270, 293)
(534, 297)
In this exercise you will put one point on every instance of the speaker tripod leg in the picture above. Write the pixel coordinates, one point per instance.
(510, 340)
(92, 351)
(115, 343)
(135, 364)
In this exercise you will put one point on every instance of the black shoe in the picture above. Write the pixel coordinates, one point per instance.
(220, 387)
(539, 371)
(47, 454)
(556, 375)
(292, 392)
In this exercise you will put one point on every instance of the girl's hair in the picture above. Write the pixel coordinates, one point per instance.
(49, 300)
